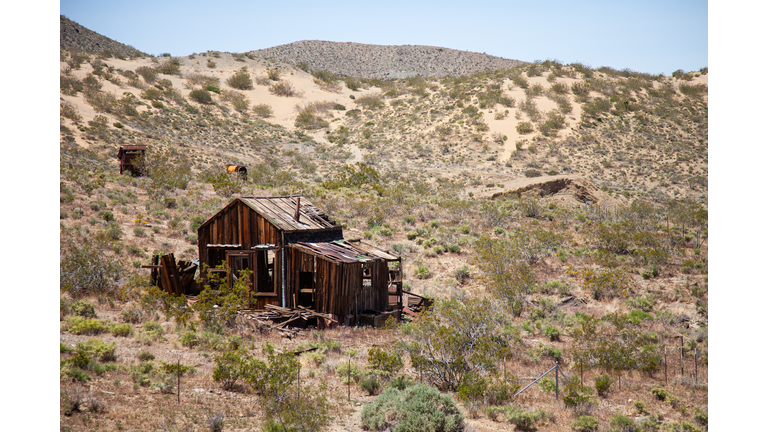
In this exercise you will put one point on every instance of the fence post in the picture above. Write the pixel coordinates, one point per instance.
(682, 373)
(178, 378)
(665, 364)
(696, 366)
(349, 378)
(557, 380)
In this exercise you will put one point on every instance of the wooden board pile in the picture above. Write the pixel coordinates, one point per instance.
(282, 319)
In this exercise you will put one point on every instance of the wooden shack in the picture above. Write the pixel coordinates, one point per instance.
(299, 258)
(130, 157)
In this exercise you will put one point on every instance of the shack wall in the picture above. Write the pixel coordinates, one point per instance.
(338, 285)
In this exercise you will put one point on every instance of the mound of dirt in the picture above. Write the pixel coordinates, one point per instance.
(574, 190)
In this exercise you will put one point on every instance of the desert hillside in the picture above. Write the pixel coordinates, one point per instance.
(551, 212)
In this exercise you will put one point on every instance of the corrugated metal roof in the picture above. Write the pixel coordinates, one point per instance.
(280, 211)
(371, 249)
(343, 251)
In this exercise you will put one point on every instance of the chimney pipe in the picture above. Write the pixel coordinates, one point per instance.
(298, 204)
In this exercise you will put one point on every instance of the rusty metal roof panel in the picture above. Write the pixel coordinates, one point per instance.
(371, 249)
(340, 251)
(281, 210)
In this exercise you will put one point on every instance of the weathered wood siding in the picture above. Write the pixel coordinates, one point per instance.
(338, 285)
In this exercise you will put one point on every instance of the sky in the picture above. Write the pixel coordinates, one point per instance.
(648, 36)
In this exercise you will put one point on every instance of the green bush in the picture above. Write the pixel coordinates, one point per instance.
(578, 397)
(201, 96)
(370, 101)
(553, 333)
(83, 309)
(263, 110)
(371, 384)
(149, 74)
(123, 330)
(585, 424)
(283, 88)
(603, 384)
(623, 423)
(98, 348)
(383, 361)
(229, 369)
(241, 80)
(347, 371)
(189, 339)
(417, 408)
(524, 128)
(524, 420)
(85, 326)
(421, 271)
(170, 67)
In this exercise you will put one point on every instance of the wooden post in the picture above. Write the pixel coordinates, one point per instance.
(665, 364)
(557, 380)
(682, 373)
(178, 378)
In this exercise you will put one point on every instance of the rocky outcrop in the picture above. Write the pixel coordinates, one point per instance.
(74, 36)
(384, 61)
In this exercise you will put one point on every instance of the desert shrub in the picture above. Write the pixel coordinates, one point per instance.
(172, 66)
(202, 80)
(149, 74)
(273, 74)
(660, 393)
(505, 271)
(418, 407)
(224, 184)
(455, 341)
(553, 123)
(371, 384)
(605, 283)
(71, 399)
(421, 271)
(348, 371)
(310, 117)
(326, 80)
(167, 169)
(238, 100)
(123, 330)
(83, 309)
(283, 88)
(98, 348)
(553, 333)
(623, 423)
(229, 369)
(241, 80)
(383, 361)
(201, 96)
(263, 110)
(68, 111)
(524, 128)
(585, 423)
(603, 384)
(352, 83)
(218, 303)
(131, 315)
(86, 270)
(370, 101)
(578, 397)
(520, 81)
(522, 419)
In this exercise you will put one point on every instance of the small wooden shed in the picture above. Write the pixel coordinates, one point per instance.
(299, 257)
(129, 157)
